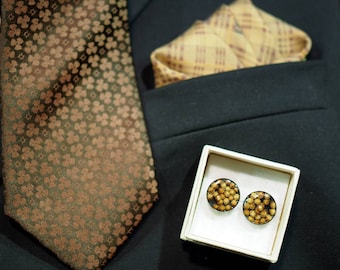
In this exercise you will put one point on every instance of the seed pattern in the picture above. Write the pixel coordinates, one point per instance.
(223, 194)
(259, 207)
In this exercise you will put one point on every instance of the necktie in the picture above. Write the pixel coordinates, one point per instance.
(235, 36)
(78, 167)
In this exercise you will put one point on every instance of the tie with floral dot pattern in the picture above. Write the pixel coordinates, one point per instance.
(78, 167)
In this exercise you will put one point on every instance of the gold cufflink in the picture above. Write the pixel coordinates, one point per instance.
(259, 207)
(223, 194)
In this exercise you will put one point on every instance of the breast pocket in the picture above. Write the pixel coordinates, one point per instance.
(225, 98)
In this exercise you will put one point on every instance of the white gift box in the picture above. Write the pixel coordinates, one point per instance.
(230, 230)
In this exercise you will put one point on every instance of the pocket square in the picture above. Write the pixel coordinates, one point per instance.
(235, 36)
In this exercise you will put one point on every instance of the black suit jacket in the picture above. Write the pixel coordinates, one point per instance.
(287, 113)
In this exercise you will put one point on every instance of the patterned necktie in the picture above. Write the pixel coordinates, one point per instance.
(78, 168)
(235, 36)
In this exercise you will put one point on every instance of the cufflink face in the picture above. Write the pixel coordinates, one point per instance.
(223, 194)
(259, 207)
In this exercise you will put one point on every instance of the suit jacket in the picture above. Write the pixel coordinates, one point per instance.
(287, 113)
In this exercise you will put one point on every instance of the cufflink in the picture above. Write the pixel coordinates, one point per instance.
(223, 194)
(259, 207)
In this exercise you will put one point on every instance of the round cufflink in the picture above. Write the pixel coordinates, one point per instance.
(259, 207)
(223, 194)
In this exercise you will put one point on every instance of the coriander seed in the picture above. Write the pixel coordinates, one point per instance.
(223, 194)
(259, 207)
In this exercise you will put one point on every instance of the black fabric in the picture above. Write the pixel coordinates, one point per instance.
(234, 96)
(287, 113)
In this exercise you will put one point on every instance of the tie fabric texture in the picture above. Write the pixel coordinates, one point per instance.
(77, 164)
(235, 36)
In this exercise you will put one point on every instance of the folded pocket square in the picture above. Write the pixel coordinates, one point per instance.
(235, 36)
